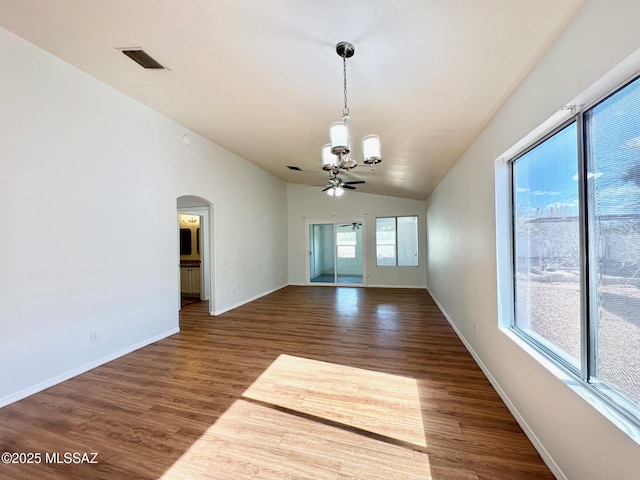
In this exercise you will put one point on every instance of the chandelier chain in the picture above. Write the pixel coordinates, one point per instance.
(345, 110)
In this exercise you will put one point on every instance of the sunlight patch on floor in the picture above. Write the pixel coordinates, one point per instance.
(306, 419)
(380, 403)
(254, 441)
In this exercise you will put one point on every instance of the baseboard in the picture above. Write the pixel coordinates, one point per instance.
(421, 287)
(544, 453)
(248, 300)
(26, 392)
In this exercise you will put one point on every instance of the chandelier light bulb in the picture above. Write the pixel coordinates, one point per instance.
(329, 160)
(371, 149)
(339, 133)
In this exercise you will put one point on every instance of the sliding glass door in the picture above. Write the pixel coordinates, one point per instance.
(349, 252)
(335, 253)
(322, 268)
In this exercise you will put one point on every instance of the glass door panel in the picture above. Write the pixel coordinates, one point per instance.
(322, 253)
(349, 252)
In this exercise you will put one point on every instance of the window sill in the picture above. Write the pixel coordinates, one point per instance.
(586, 391)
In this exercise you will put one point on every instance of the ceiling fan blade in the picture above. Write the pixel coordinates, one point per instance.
(356, 182)
(348, 186)
(327, 188)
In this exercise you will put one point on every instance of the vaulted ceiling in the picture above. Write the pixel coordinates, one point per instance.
(261, 77)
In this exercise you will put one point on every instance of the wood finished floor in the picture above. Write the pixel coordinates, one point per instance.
(306, 383)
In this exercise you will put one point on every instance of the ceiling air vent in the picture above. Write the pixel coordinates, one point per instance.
(141, 57)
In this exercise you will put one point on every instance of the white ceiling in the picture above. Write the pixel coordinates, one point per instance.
(262, 79)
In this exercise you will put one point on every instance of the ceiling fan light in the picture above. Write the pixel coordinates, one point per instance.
(339, 133)
(329, 160)
(371, 149)
(331, 192)
(339, 191)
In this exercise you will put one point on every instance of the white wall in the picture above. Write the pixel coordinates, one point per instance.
(89, 180)
(310, 204)
(576, 440)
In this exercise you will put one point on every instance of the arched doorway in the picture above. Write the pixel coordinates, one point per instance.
(195, 221)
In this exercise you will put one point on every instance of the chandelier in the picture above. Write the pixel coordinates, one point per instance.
(336, 155)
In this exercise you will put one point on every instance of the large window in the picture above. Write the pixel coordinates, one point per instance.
(613, 160)
(397, 241)
(547, 245)
(576, 247)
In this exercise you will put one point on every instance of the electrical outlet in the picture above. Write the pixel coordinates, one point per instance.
(93, 336)
(233, 291)
(475, 327)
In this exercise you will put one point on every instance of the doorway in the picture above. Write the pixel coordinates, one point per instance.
(335, 253)
(194, 229)
(191, 255)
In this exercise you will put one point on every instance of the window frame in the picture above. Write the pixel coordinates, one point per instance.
(351, 244)
(535, 342)
(395, 244)
(622, 411)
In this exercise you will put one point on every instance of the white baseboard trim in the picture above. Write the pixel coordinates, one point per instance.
(544, 453)
(27, 392)
(422, 287)
(249, 300)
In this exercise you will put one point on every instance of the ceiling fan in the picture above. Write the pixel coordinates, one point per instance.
(337, 186)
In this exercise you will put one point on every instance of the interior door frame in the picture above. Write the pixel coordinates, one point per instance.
(205, 251)
(335, 253)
